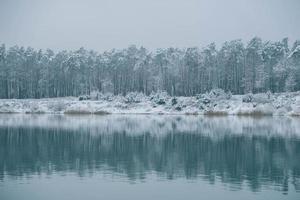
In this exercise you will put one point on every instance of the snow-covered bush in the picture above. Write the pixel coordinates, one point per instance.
(135, 97)
(159, 98)
(178, 108)
(106, 96)
(206, 99)
(203, 98)
(283, 101)
(217, 94)
(198, 96)
(247, 98)
(262, 98)
(212, 96)
(228, 95)
(84, 97)
(174, 101)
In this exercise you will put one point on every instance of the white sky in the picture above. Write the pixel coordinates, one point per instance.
(106, 24)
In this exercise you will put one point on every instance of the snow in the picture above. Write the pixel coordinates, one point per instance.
(216, 102)
(296, 50)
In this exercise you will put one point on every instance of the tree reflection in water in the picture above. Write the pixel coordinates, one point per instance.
(235, 151)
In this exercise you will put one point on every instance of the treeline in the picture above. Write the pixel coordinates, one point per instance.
(255, 67)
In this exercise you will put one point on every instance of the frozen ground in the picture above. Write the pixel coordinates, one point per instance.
(216, 102)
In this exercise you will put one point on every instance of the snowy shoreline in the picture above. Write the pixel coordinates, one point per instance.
(216, 102)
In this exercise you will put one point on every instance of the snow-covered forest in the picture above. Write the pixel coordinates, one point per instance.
(257, 66)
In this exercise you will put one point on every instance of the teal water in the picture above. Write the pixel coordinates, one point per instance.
(148, 157)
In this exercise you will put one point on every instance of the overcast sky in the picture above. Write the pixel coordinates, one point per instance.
(106, 24)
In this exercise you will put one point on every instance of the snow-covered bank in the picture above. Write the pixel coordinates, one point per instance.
(216, 102)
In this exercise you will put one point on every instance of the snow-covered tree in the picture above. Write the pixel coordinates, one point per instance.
(257, 67)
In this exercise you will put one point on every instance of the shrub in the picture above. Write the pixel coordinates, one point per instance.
(262, 98)
(134, 97)
(247, 98)
(84, 97)
(217, 94)
(174, 101)
(178, 108)
(105, 96)
(159, 98)
(228, 95)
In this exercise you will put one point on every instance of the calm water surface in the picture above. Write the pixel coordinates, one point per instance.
(148, 157)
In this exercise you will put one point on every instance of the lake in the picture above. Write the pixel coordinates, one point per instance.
(148, 157)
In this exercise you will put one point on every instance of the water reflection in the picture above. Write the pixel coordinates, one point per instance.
(236, 151)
